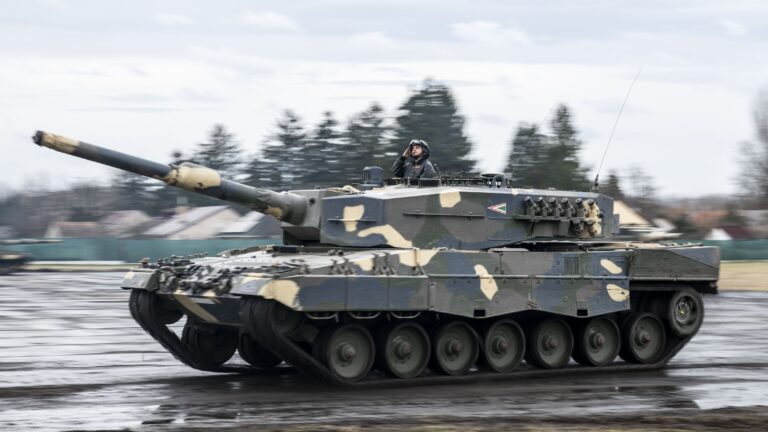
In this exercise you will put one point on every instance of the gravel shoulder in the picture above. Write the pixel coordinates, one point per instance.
(744, 276)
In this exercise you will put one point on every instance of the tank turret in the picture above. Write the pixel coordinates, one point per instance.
(459, 213)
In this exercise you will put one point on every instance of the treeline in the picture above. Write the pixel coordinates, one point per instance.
(296, 155)
(333, 153)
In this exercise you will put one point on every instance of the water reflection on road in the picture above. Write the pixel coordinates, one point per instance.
(71, 357)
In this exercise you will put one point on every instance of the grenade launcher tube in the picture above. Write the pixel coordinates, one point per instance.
(285, 206)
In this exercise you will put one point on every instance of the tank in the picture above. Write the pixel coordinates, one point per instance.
(12, 261)
(433, 280)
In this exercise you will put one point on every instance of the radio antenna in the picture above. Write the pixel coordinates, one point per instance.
(616, 123)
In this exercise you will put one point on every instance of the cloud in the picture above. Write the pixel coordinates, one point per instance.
(171, 19)
(733, 28)
(489, 33)
(267, 20)
(374, 39)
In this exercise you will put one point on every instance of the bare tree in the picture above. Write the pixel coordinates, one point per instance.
(754, 157)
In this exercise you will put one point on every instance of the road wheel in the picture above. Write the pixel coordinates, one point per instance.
(455, 348)
(404, 350)
(685, 312)
(347, 351)
(642, 338)
(550, 344)
(255, 354)
(597, 342)
(211, 345)
(503, 346)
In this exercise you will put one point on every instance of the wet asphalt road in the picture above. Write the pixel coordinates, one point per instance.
(71, 357)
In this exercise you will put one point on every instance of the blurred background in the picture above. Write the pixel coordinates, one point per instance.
(305, 94)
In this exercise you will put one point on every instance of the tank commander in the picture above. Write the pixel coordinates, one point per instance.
(413, 163)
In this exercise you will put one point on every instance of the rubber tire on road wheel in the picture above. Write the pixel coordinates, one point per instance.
(643, 338)
(550, 343)
(213, 346)
(685, 312)
(160, 309)
(588, 350)
(255, 354)
(503, 346)
(455, 348)
(348, 351)
(403, 350)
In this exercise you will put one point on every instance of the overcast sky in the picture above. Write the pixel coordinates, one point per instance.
(148, 77)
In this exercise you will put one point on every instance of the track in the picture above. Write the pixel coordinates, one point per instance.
(258, 320)
(143, 305)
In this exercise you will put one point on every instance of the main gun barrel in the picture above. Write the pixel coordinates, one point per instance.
(285, 206)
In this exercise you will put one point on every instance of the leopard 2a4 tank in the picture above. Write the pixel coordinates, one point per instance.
(418, 281)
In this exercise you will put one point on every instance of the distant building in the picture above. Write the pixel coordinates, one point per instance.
(719, 223)
(67, 229)
(708, 219)
(125, 223)
(253, 225)
(729, 233)
(633, 225)
(756, 221)
(195, 223)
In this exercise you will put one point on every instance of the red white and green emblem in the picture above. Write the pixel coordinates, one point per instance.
(499, 208)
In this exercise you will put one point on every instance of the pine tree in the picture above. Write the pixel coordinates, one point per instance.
(281, 161)
(562, 160)
(221, 152)
(431, 114)
(325, 155)
(366, 136)
(524, 161)
(611, 187)
(754, 176)
(131, 192)
(543, 161)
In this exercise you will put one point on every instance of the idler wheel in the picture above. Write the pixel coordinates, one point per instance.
(455, 348)
(597, 342)
(550, 343)
(255, 354)
(503, 346)
(643, 338)
(684, 312)
(404, 350)
(286, 320)
(347, 351)
(160, 309)
(212, 345)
